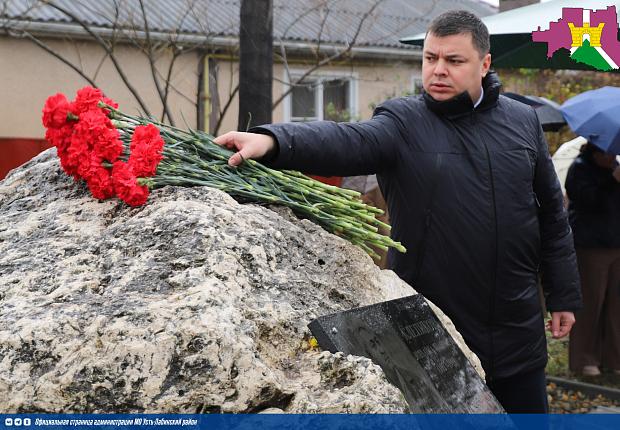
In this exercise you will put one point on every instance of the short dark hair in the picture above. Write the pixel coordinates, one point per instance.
(461, 21)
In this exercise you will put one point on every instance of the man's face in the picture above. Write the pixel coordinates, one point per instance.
(451, 65)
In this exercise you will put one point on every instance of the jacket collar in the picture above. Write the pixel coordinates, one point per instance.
(462, 103)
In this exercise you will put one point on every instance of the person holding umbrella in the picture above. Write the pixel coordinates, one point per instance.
(593, 188)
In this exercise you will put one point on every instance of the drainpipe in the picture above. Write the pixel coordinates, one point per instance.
(214, 96)
(202, 94)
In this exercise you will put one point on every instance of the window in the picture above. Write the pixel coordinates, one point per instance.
(304, 103)
(416, 84)
(322, 97)
(336, 100)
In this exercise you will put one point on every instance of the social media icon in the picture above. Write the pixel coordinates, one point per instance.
(27, 421)
(8, 422)
(17, 421)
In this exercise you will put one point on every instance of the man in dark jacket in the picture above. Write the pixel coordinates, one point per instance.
(472, 194)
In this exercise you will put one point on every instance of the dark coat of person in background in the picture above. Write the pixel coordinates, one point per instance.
(593, 188)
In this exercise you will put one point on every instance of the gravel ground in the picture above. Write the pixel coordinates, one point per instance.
(563, 401)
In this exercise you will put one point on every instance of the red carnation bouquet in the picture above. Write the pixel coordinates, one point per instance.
(124, 156)
(90, 146)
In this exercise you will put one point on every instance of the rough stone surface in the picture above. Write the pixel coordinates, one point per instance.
(191, 303)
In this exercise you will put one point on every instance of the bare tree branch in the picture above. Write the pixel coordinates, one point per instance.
(226, 106)
(281, 38)
(331, 58)
(152, 64)
(317, 51)
(3, 13)
(319, 5)
(149, 48)
(22, 34)
(107, 48)
(55, 54)
(113, 38)
(232, 92)
(175, 54)
(176, 49)
(127, 30)
(285, 62)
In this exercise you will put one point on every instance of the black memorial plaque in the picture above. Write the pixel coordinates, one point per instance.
(416, 353)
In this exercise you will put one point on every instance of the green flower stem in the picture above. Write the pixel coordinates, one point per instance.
(192, 158)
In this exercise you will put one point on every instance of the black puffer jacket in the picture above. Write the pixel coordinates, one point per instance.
(594, 204)
(473, 196)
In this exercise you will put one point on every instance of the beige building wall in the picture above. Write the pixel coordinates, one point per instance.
(28, 75)
(379, 83)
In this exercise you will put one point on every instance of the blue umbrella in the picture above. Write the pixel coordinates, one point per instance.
(595, 115)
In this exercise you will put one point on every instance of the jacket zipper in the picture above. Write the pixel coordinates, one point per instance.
(494, 286)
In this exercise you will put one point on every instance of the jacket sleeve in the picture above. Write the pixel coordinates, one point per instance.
(337, 149)
(560, 276)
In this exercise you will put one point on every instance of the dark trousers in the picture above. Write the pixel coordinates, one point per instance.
(523, 393)
(595, 337)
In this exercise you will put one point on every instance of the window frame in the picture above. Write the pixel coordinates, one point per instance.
(319, 77)
(415, 81)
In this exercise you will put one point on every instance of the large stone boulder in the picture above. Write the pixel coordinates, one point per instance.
(192, 303)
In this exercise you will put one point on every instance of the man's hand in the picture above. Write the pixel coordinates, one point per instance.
(248, 145)
(560, 324)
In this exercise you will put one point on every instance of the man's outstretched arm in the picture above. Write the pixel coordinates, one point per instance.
(323, 147)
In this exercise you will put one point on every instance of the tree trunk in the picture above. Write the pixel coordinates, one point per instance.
(256, 63)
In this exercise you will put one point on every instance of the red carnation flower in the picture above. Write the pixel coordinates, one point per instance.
(87, 99)
(70, 169)
(146, 134)
(61, 139)
(94, 120)
(99, 180)
(146, 146)
(108, 145)
(55, 111)
(90, 126)
(126, 185)
(78, 155)
(96, 130)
